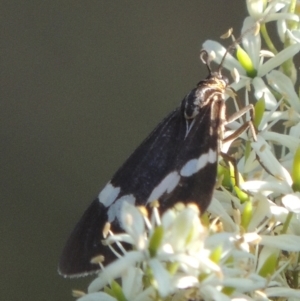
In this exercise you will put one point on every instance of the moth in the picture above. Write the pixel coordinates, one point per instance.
(176, 162)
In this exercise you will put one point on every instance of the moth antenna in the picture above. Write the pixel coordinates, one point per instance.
(236, 42)
(228, 50)
(204, 56)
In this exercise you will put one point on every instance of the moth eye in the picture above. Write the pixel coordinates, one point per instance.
(226, 80)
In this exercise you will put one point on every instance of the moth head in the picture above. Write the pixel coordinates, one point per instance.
(207, 90)
(215, 79)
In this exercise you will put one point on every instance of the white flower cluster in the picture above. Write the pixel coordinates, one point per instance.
(178, 257)
(249, 249)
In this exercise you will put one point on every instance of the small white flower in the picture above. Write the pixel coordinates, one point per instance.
(252, 46)
(115, 270)
(133, 224)
(270, 11)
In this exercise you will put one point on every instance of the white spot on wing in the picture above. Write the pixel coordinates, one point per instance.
(194, 165)
(190, 167)
(114, 210)
(108, 194)
(166, 185)
(212, 156)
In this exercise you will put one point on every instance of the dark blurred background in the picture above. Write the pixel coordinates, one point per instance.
(82, 83)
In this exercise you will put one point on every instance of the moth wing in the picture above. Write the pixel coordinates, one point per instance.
(148, 161)
(171, 156)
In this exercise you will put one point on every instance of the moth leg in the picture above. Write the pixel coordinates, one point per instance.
(227, 158)
(241, 129)
(247, 124)
(244, 127)
(249, 108)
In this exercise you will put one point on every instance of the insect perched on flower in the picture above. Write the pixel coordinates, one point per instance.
(177, 162)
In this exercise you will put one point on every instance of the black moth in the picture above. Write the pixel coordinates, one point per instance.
(176, 162)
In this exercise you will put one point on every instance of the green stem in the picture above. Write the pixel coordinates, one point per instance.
(296, 275)
(267, 38)
(286, 223)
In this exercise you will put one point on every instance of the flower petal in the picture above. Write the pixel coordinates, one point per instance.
(115, 270)
(230, 62)
(282, 84)
(292, 202)
(279, 59)
(262, 91)
(132, 282)
(285, 242)
(162, 278)
(251, 42)
(268, 159)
